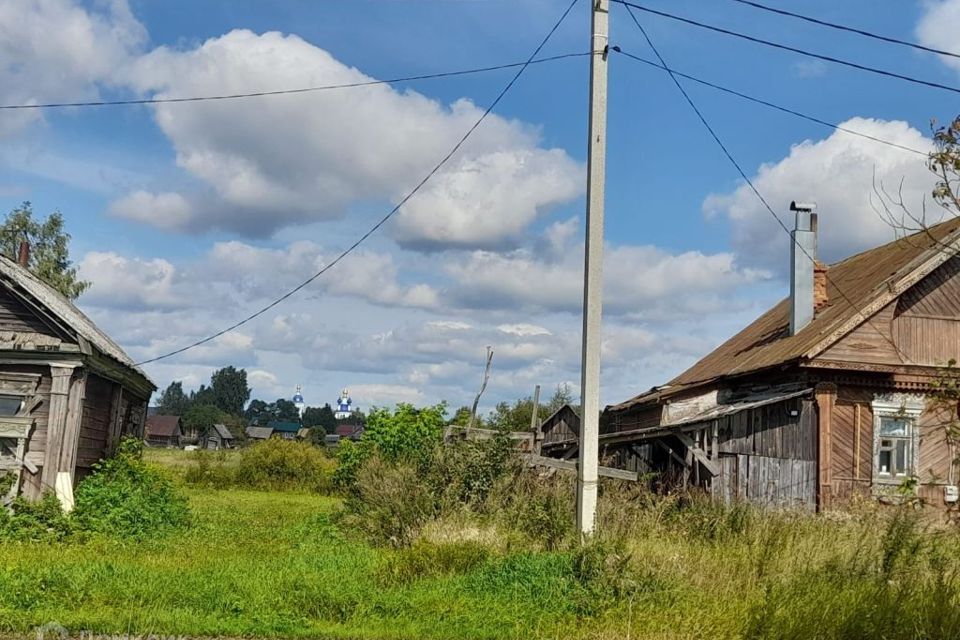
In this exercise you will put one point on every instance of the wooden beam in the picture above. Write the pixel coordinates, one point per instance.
(56, 424)
(826, 396)
(567, 465)
(71, 433)
(673, 454)
(698, 454)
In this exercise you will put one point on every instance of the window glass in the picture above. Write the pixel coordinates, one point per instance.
(9, 405)
(885, 457)
(894, 426)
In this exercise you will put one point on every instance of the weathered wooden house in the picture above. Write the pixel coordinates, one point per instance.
(67, 391)
(163, 431)
(283, 429)
(258, 433)
(826, 395)
(559, 433)
(217, 437)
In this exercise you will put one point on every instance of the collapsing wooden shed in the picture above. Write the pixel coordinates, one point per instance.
(68, 392)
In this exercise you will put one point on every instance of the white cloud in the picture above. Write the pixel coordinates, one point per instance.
(267, 164)
(130, 283)
(938, 28)
(54, 50)
(640, 281)
(162, 210)
(384, 395)
(838, 174)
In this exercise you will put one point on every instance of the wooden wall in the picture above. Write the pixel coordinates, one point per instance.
(95, 422)
(851, 450)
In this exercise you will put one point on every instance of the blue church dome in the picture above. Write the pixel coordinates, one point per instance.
(297, 398)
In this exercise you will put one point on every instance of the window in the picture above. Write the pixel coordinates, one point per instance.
(10, 405)
(894, 449)
(895, 437)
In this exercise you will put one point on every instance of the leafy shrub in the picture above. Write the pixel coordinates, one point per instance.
(278, 465)
(41, 521)
(269, 465)
(127, 498)
(425, 560)
(600, 567)
(465, 472)
(389, 503)
(407, 434)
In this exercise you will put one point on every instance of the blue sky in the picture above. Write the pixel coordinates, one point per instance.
(187, 217)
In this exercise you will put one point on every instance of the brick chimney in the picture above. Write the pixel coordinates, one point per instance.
(820, 297)
(23, 256)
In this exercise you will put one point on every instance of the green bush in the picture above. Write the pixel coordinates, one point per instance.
(465, 472)
(269, 465)
(407, 434)
(126, 498)
(389, 503)
(541, 508)
(284, 465)
(41, 521)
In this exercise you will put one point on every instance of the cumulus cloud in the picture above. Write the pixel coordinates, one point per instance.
(131, 283)
(266, 164)
(55, 50)
(168, 211)
(938, 28)
(838, 173)
(641, 281)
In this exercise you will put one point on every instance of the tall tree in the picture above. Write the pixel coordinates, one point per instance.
(173, 401)
(229, 390)
(49, 248)
(321, 417)
(200, 417)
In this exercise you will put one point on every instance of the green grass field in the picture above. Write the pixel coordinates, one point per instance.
(275, 564)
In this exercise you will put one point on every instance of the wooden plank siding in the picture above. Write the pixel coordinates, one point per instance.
(852, 443)
(95, 425)
(16, 316)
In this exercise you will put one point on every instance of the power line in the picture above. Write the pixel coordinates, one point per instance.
(258, 94)
(749, 182)
(390, 214)
(843, 27)
(804, 52)
(766, 103)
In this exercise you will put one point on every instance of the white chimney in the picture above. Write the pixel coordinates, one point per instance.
(803, 253)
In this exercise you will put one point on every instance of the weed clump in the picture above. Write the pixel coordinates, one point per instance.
(125, 497)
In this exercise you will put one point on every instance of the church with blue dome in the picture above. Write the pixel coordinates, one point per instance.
(298, 402)
(344, 408)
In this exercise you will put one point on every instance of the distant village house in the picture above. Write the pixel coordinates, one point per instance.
(164, 431)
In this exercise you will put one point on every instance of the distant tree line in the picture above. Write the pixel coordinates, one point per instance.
(225, 401)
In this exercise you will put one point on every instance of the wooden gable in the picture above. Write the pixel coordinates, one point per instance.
(920, 327)
(23, 326)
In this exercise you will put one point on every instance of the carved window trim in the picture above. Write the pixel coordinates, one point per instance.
(901, 406)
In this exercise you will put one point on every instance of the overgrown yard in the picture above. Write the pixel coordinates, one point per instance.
(290, 564)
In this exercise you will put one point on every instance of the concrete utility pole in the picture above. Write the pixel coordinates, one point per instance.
(593, 274)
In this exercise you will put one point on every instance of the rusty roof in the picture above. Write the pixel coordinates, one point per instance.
(857, 288)
(163, 426)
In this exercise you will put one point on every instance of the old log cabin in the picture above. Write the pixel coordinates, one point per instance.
(824, 396)
(67, 391)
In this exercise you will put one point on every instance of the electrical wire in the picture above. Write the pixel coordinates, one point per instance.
(753, 187)
(843, 27)
(766, 103)
(389, 214)
(804, 52)
(278, 92)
